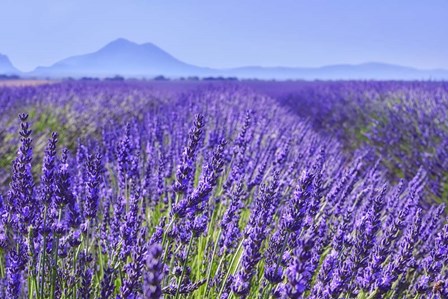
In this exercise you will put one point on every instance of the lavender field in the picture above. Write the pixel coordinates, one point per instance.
(251, 189)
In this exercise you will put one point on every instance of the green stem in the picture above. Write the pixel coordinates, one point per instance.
(55, 258)
(53, 274)
(30, 291)
(217, 271)
(35, 285)
(279, 260)
(75, 259)
(230, 268)
(183, 268)
(165, 252)
(2, 263)
(31, 272)
(209, 268)
(373, 295)
(44, 255)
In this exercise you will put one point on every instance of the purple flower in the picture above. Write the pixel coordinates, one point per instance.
(184, 170)
(15, 264)
(107, 283)
(230, 231)
(255, 234)
(20, 196)
(153, 275)
(94, 171)
(48, 170)
(202, 192)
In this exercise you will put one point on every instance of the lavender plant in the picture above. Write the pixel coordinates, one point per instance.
(219, 192)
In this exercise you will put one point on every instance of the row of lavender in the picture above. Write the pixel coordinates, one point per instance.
(404, 123)
(219, 193)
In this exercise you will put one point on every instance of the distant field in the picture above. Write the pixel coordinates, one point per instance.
(25, 82)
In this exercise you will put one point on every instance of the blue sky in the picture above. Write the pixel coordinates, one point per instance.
(232, 33)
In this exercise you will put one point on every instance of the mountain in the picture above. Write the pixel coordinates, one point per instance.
(126, 58)
(6, 67)
(122, 57)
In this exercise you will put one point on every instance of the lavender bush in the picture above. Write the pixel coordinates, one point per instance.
(219, 192)
(403, 123)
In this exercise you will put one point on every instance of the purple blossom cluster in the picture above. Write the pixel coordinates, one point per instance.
(220, 192)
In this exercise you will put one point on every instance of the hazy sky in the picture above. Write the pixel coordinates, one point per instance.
(230, 33)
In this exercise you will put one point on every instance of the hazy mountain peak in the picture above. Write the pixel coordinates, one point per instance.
(120, 42)
(122, 47)
(121, 57)
(6, 67)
